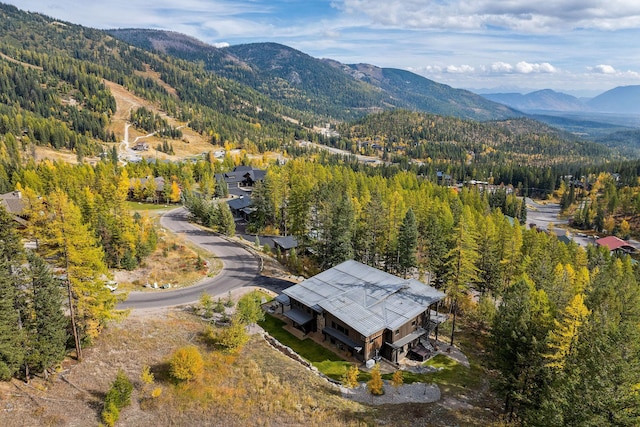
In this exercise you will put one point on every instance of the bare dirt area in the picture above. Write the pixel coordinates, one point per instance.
(191, 143)
(43, 153)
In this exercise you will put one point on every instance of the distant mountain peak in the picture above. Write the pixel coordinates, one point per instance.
(539, 100)
(621, 99)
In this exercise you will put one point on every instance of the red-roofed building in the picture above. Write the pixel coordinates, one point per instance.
(615, 244)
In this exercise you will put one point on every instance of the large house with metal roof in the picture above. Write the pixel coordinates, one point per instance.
(363, 310)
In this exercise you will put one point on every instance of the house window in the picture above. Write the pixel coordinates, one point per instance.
(413, 323)
(340, 328)
(397, 332)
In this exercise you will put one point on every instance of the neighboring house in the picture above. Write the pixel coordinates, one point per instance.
(241, 207)
(141, 146)
(364, 310)
(285, 244)
(242, 176)
(616, 245)
(14, 204)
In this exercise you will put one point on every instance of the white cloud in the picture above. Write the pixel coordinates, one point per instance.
(522, 15)
(603, 69)
(221, 45)
(460, 69)
(528, 68)
(501, 67)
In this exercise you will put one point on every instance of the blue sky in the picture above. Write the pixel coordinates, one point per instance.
(582, 47)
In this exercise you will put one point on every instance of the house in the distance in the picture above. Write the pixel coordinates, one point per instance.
(285, 243)
(14, 204)
(615, 245)
(365, 311)
(241, 207)
(241, 176)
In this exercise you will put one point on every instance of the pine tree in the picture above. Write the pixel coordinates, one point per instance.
(598, 383)
(11, 331)
(518, 344)
(11, 334)
(69, 241)
(375, 385)
(47, 326)
(397, 380)
(350, 377)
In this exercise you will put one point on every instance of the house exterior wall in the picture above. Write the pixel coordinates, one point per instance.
(331, 321)
(373, 343)
(394, 354)
(297, 304)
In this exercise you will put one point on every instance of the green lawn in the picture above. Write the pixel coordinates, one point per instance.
(452, 373)
(322, 358)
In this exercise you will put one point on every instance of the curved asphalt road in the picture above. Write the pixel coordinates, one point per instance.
(240, 268)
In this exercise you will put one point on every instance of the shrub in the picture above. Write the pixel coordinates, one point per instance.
(118, 396)
(186, 363)
(110, 414)
(375, 384)
(350, 378)
(233, 337)
(206, 302)
(219, 307)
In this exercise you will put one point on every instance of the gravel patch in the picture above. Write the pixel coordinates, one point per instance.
(406, 393)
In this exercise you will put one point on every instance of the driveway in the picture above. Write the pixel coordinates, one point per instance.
(239, 268)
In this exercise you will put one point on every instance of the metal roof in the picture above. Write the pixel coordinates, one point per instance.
(298, 316)
(365, 298)
(239, 203)
(13, 202)
(612, 243)
(286, 242)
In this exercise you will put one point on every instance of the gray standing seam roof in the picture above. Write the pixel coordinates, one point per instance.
(365, 298)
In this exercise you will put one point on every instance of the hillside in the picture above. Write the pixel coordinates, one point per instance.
(58, 78)
(422, 94)
(325, 87)
(445, 139)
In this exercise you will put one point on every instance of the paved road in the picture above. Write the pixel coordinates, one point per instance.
(240, 268)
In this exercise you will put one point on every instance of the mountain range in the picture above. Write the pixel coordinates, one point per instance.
(259, 95)
(323, 86)
(349, 90)
(619, 100)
